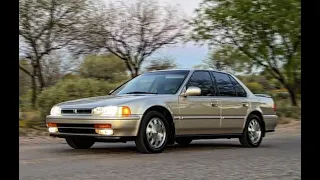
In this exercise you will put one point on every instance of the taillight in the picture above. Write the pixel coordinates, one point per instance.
(274, 107)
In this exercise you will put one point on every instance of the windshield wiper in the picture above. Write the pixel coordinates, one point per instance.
(140, 92)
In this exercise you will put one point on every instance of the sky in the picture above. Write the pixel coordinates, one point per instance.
(185, 55)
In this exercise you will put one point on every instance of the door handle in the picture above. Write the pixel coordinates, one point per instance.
(244, 104)
(214, 104)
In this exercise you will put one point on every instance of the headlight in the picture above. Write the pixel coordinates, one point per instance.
(112, 111)
(55, 111)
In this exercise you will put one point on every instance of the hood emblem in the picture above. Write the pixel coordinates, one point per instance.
(75, 111)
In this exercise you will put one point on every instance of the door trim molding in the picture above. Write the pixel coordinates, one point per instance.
(197, 117)
(233, 117)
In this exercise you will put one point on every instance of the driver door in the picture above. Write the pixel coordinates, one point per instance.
(200, 115)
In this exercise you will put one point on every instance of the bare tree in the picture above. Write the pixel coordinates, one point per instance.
(56, 65)
(161, 64)
(24, 80)
(133, 30)
(46, 26)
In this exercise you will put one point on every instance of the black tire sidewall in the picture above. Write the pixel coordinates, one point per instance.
(246, 132)
(79, 143)
(183, 141)
(143, 126)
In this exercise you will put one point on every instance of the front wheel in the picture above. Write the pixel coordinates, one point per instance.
(252, 134)
(153, 133)
(80, 143)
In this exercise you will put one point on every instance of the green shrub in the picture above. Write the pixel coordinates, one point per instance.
(31, 119)
(282, 95)
(25, 101)
(290, 112)
(255, 87)
(70, 89)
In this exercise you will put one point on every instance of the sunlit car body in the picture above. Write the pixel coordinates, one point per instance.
(164, 107)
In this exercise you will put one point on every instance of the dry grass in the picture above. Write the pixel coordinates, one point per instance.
(31, 119)
(284, 120)
(33, 132)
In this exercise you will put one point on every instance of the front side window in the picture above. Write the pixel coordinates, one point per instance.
(202, 80)
(224, 84)
(161, 82)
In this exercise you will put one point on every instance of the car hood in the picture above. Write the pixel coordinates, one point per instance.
(100, 101)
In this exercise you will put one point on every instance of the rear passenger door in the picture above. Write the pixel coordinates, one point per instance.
(234, 104)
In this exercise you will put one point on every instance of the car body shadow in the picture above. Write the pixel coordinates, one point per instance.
(130, 148)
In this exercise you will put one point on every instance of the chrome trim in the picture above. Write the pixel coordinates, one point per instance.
(233, 117)
(270, 115)
(82, 117)
(200, 117)
(74, 127)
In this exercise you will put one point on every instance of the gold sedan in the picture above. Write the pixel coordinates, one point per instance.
(163, 107)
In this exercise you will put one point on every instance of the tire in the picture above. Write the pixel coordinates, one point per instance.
(245, 139)
(80, 143)
(143, 140)
(183, 142)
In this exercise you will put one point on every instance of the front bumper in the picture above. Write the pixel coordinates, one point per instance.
(121, 126)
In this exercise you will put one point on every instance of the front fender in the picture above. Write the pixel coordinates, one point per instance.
(168, 103)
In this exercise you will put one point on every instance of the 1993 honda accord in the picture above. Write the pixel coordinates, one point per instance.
(163, 107)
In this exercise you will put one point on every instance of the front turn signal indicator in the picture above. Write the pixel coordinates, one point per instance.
(102, 126)
(51, 125)
(125, 111)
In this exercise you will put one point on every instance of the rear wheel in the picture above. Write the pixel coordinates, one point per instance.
(252, 134)
(80, 143)
(183, 142)
(153, 133)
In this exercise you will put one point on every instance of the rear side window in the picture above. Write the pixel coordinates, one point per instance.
(224, 84)
(202, 80)
(239, 89)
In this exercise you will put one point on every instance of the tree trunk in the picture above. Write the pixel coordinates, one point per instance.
(291, 88)
(38, 72)
(293, 97)
(34, 92)
(134, 72)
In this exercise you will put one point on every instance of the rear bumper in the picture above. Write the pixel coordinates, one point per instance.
(122, 127)
(270, 122)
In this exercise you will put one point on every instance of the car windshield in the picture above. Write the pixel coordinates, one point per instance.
(161, 82)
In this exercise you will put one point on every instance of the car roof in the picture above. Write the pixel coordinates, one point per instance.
(191, 69)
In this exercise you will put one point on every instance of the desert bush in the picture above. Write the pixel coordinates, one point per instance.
(25, 102)
(70, 90)
(255, 87)
(284, 120)
(31, 119)
(281, 95)
(290, 112)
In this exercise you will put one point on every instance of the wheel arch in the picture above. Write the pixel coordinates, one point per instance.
(168, 115)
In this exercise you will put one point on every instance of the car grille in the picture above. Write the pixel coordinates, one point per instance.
(76, 128)
(76, 111)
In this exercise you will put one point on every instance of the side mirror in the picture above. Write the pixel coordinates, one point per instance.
(111, 91)
(192, 91)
